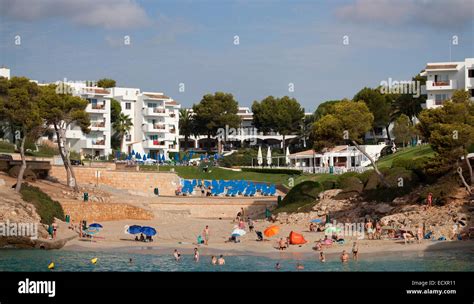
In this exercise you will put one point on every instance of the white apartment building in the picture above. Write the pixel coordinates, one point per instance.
(5, 72)
(97, 142)
(156, 125)
(245, 134)
(128, 101)
(443, 78)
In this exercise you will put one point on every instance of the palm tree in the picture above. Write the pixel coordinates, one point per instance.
(122, 126)
(186, 125)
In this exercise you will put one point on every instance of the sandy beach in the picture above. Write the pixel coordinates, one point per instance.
(181, 234)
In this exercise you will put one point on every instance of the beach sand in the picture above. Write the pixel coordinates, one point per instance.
(181, 233)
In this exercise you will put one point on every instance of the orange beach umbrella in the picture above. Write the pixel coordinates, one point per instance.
(271, 231)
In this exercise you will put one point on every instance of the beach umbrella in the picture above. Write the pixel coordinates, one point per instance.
(138, 156)
(134, 229)
(163, 157)
(271, 231)
(238, 232)
(176, 157)
(332, 229)
(287, 158)
(129, 157)
(96, 225)
(133, 152)
(148, 231)
(144, 157)
(316, 221)
(201, 157)
(117, 154)
(259, 156)
(148, 155)
(269, 156)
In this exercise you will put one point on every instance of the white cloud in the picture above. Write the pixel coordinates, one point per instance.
(439, 14)
(109, 14)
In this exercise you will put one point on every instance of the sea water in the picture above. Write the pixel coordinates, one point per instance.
(38, 260)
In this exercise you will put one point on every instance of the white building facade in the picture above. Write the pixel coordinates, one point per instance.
(443, 78)
(97, 142)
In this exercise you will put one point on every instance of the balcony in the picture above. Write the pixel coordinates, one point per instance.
(95, 143)
(154, 111)
(98, 126)
(154, 144)
(441, 85)
(159, 128)
(96, 108)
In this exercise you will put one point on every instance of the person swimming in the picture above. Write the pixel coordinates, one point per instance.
(299, 266)
(221, 260)
(213, 260)
(344, 256)
(277, 266)
(196, 255)
(177, 255)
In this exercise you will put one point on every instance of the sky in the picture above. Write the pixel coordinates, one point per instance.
(310, 50)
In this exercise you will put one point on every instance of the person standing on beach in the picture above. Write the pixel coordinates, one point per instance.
(429, 199)
(177, 255)
(196, 255)
(250, 223)
(221, 260)
(322, 258)
(355, 251)
(344, 256)
(206, 235)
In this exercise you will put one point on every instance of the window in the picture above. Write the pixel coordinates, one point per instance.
(128, 106)
(152, 105)
(128, 137)
(472, 92)
(471, 73)
(153, 137)
(440, 98)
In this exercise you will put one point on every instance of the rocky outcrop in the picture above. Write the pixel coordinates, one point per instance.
(402, 212)
(13, 211)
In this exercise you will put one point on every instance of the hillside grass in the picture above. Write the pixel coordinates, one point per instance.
(410, 153)
(47, 208)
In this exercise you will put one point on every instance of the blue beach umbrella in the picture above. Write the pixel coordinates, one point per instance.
(148, 231)
(201, 156)
(176, 157)
(316, 221)
(133, 152)
(129, 157)
(96, 225)
(148, 155)
(144, 157)
(134, 229)
(163, 158)
(138, 156)
(117, 154)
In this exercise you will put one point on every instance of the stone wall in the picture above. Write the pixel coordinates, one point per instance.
(215, 207)
(146, 182)
(99, 212)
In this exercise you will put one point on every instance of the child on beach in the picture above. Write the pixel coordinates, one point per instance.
(355, 251)
(206, 235)
(322, 258)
